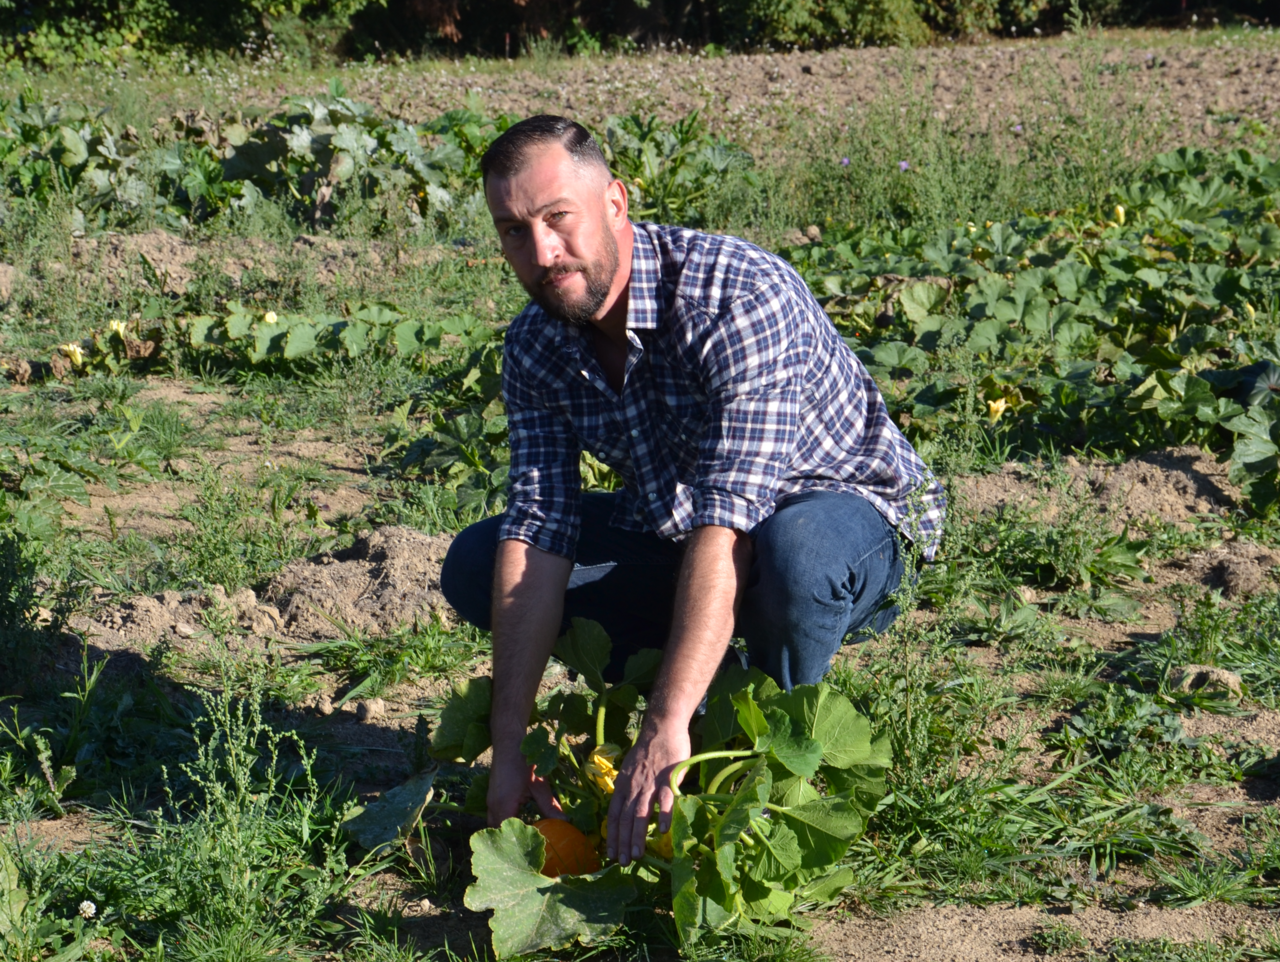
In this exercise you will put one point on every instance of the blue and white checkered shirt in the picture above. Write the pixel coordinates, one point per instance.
(738, 391)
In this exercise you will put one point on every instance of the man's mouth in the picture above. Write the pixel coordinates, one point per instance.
(560, 278)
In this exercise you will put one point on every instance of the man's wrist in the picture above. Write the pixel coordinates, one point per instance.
(666, 717)
(507, 743)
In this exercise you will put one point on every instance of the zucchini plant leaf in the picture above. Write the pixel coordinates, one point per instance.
(463, 730)
(585, 648)
(533, 912)
(824, 827)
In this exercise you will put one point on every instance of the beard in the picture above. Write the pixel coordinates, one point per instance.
(598, 275)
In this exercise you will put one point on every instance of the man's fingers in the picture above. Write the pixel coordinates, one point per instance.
(546, 799)
(611, 821)
(666, 802)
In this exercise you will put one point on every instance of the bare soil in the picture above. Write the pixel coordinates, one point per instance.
(1193, 88)
(957, 933)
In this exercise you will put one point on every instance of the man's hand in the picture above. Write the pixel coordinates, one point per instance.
(511, 782)
(643, 780)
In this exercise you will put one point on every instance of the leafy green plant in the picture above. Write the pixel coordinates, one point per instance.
(786, 781)
(1058, 939)
(239, 535)
(374, 663)
(670, 169)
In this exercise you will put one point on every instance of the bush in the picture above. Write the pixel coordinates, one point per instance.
(61, 32)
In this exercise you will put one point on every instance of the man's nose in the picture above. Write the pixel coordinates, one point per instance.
(546, 246)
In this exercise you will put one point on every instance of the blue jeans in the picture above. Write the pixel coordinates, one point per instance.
(824, 565)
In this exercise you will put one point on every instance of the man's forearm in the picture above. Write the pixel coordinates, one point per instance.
(528, 603)
(712, 577)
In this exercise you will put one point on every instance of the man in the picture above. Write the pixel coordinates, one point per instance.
(765, 485)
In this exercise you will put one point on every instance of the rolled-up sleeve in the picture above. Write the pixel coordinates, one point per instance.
(543, 499)
(753, 367)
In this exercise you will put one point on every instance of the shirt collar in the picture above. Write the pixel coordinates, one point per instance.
(644, 292)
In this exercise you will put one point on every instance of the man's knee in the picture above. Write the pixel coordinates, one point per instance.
(466, 578)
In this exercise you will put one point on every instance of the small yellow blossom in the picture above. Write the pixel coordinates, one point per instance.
(601, 766)
(269, 317)
(1249, 311)
(997, 408)
(74, 354)
(116, 327)
(661, 846)
(1120, 215)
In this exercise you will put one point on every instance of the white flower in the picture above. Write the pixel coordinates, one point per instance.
(87, 909)
(73, 352)
(269, 317)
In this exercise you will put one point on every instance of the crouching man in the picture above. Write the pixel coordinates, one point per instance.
(766, 491)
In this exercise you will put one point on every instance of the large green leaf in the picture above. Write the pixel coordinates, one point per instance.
(790, 746)
(585, 648)
(919, 300)
(777, 852)
(301, 340)
(463, 730)
(824, 827)
(394, 815)
(829, 717)
(530, 911)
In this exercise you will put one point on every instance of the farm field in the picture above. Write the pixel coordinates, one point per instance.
(251, 320)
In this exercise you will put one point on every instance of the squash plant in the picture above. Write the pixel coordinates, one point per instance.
(783, 784)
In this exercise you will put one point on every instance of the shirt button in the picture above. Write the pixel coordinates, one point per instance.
(652, 496)
(635, 433)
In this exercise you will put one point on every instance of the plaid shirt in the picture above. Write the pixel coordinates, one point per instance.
(738, 391)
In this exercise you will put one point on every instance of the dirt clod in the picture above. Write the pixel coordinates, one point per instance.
(388, 578)
(371, 710)
(1172, 486)
(1191, 678)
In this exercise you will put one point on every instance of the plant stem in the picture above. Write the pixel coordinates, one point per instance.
(730, 772)
(600, 723)
(684, 766)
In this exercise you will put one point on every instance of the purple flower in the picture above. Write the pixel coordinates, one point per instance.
(844, 161)
(1017, 128)
(903, 166)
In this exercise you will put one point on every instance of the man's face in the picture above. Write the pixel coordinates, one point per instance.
(555, 223)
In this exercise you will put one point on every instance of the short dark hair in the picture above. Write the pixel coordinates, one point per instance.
(508, 154)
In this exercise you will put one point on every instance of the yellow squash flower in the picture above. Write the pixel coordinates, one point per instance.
(661, 846)
(1249, 311)
(269, 317)
(73, 353)
(996, 408)
(601, 766)
(116, 327)
(1119, 215)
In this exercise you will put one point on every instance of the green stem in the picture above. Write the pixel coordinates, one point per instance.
(600, 723)
(729, 771)
(678, 772)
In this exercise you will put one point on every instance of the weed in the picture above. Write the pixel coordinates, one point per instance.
(1059, 939)
(373, 663)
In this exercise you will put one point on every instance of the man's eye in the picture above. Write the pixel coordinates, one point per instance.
(557, 215)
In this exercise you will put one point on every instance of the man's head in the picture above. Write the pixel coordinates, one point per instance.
(559, 214)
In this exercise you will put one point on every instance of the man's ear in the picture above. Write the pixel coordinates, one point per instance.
(616, 202)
